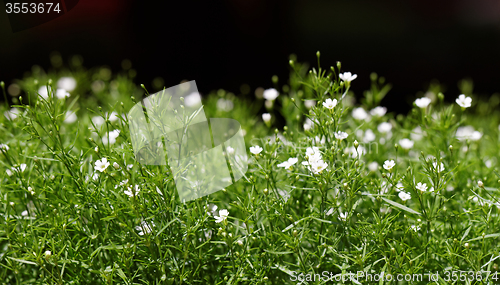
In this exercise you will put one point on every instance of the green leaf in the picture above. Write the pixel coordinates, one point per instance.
(486, 236)
(278, 252)
(402, 207)
(23, 261)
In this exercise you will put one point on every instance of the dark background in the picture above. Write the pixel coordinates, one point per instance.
(224, 44)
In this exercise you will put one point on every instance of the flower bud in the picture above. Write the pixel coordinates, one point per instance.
(480, 184)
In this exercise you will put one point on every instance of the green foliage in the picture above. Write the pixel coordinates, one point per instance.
(340, 207)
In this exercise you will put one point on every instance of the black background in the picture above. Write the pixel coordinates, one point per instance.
(224, 44)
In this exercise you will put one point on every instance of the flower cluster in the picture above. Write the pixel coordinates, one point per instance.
(314, 161)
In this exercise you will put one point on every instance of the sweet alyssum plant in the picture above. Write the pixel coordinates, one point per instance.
(341, 188)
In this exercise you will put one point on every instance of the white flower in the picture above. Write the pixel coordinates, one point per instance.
(421, 186)
(229, 150)
(404, 195)
(43, 91)
(116, 165)
(318, 166)
(4, 147)
(308, 124)
(464, 102)
(373, 166)
(406, 143)
(384, 127)
(341, 135)
(319, 141)
(24, 213)
(17, 169)
(102, 164)
(369, 136)
(438, 169)
(47, 253)
(98, 120)
(416, 134)
(313, 154)
(131, 192)
(144, 228)
(378, 111)
(270, 94)
(329, 212)
(389, 164)
(32, 192)
(347, 76)
(468, 133)
(415, 228)
(480, 184)
(330, 104)
(309, 103)
(266, 117)
(399, 186)
(423, 102)
(67, 83)
(255, 149)
(12, 113)
(111, 137)
(223, 214)
(61, 94)
(113, 116)
(193, 100)
(359, 114)
(355, 152)
(343, 216)
(70, 117)
(289, 163)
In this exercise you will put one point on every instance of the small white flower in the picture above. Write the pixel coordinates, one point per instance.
(421, 186)
(309, 103)
(384, 127)
(113, 116)
(378, 111)
(144, 228)
(116, 165)
(373, 166)
(318, 166)
(359, 114)
(399, 187)
(343, 216)
(480, 184)
(12, 113)
(43, 91)
(308, 124)
(289, 163)
(61, 94)
(355, 152)
(313, 154)
(111, 137)
(270, 94)
(48, 254)
(416, 134)
(24, 213)
(468, 133)
(102, 164)
(4, 147)
(67, 83)
(406, 143)
(32, 192)
(329, 212)
(223, 214)
(415, 228)
(341, 135)
(266, 117)
(389, 164)
(70, 117)
(98, 120)
(330, 104)
(229, 150)
(369, 136)
(438, 169)
(193, 100)
(423, 102)
(129, 166)
(464, 102)
(404, 195)
(131, 192)
(347, 76)
(255, 149)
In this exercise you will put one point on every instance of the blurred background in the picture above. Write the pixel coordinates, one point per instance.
(226, 44)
